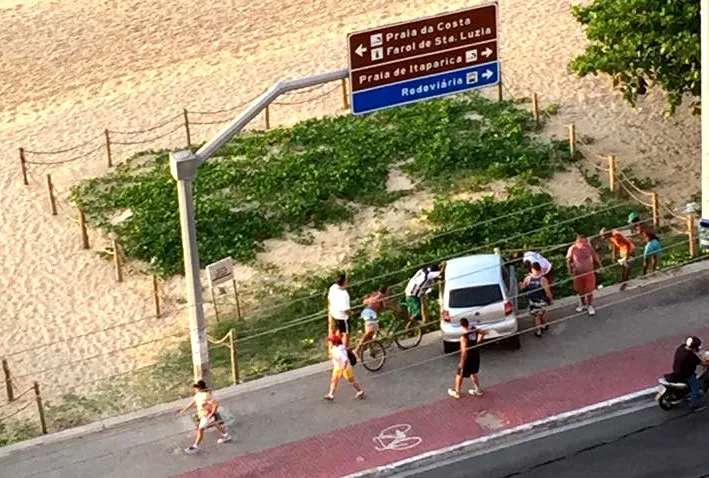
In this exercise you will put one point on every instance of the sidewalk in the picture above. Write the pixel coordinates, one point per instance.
(283, 427)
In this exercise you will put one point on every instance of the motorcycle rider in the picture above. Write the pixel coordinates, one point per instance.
(686, 360)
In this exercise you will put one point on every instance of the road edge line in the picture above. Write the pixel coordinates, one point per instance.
(554, 421)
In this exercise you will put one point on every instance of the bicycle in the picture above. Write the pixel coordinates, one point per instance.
(405, 333)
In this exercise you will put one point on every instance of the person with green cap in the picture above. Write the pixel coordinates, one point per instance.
(637, 226)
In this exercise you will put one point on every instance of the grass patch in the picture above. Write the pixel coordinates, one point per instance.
(266, 184)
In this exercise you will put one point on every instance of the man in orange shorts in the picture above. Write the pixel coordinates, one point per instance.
(623, 247)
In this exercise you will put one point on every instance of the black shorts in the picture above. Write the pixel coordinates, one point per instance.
(471, 365)
(343, 326)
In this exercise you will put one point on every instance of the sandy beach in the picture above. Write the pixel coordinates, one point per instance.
(70, 69)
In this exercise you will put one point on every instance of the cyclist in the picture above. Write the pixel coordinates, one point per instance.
(417, 287)
(374, 303)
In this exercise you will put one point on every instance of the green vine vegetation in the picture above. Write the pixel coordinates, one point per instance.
(265, 184)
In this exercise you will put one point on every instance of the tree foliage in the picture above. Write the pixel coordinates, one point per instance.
(643, 43)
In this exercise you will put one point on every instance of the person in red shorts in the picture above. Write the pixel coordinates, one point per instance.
(581, 259)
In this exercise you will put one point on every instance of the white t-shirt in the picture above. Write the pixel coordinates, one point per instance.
(537, 257)
(421, 281)
(339, 356)
(339, 302)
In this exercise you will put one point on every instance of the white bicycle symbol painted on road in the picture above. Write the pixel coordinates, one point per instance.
(395, 438)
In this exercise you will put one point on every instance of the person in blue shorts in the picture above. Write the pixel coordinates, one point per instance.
(652, 251)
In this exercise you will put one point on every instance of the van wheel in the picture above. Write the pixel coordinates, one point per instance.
(514, 342)
(450, 347)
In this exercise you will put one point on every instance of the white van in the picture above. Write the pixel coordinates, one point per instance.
(483, 289)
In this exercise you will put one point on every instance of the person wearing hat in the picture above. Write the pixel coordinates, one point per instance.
(341, 368)
(207, 414)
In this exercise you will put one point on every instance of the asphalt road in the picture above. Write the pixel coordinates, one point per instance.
(645, 444)
(283, 412)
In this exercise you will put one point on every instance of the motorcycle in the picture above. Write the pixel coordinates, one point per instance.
(672, 392)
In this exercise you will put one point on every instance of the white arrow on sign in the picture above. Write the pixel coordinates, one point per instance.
(487, 52)
(361, 50)
(488, 74)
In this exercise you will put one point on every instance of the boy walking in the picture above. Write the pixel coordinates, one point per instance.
(207, 412)
(469, 363)
(341, 368)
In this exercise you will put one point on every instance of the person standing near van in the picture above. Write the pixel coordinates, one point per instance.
(469, 363)
(530, 257)
(338, 300)
(539, 295)
(580, 259)
(416, 288)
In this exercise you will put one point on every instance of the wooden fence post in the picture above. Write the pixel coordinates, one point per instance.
(156, 296)
(232, 352)
(108, 148)
(535, 109)
(612, 173)
(40, 408)
(572, 139)
(345, 96)
(52, 199)
(268, 117)
(23, 163)
(691, 233)
(84, 232)
(8, 381)
(655, 210)
(187, 127)
(236, 298)
(117, 260)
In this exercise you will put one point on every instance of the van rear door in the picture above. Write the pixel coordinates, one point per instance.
(479, 304)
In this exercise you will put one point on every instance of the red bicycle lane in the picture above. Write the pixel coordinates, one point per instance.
(446, 422)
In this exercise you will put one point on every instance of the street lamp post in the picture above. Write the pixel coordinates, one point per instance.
(183, 167)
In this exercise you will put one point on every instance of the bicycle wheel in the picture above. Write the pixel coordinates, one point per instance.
(373, 355)
(410, 336)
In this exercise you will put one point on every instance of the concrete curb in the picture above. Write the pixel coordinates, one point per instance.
(286, 377)
(497, 439)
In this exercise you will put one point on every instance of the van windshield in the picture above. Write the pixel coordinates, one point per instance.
(478, 296)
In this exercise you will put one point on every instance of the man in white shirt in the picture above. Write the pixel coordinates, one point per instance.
(531, 257)
(416, 288)
(338, 300)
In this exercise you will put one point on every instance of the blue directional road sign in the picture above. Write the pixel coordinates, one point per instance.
(422, 59)
(419, 89)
